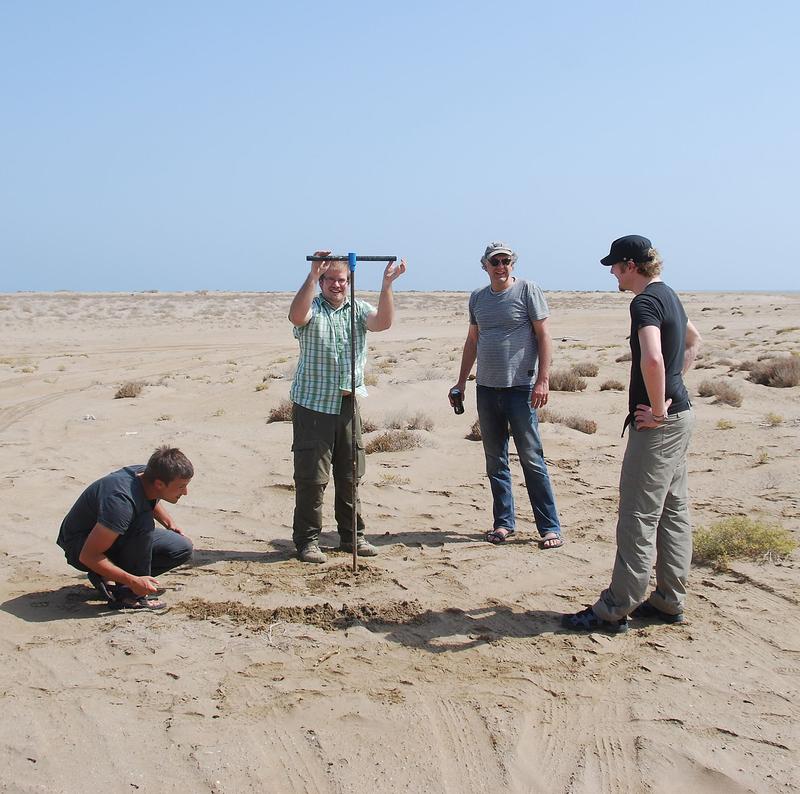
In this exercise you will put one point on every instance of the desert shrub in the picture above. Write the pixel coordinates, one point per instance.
(587, 426)
(371, 379)
(725, 424)
(740, 538)
(130, 389)
(282, 412)
(773, 420)
(612, 385)
(586, 369)
(391, 441)
(624, 357)
(781, 372)
(747, 365)
(404, 421)
(368, 426)
(263, 386)
(566, 380)
(722, 391)
(546, 415)
(391, 479)
(726, 362)
(474, 432)
(575, 422)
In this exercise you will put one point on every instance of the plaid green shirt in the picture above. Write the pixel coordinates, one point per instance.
(323, 371)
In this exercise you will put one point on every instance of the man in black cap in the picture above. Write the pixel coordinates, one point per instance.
(653, 522)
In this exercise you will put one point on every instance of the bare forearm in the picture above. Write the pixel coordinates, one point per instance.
(691, 348)
(163, 517)
(468, 357)
(384, 317)
(545, 343)
(101, 565)
(301, 304)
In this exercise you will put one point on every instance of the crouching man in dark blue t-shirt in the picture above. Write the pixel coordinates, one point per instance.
(110, 531)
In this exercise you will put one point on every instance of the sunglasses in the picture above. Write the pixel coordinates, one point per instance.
(497, 261)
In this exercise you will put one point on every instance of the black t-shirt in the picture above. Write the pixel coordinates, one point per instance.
(658, 305)
(116, 501)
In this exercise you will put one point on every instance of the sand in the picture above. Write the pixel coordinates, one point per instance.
(440, 666)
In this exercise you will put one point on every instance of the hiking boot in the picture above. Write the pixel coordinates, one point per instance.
(647, 611)
(312, 553)
(364, 548)
(587, 620)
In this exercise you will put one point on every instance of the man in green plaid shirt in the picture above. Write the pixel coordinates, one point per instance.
(322, 411)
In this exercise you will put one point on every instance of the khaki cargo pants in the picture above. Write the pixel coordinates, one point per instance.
(321, 442)
(653, 523)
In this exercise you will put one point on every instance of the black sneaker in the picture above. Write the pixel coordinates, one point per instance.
(586, 620)
(646, 611)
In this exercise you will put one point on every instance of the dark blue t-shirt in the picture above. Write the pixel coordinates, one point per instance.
(658, 305)
(116, 501)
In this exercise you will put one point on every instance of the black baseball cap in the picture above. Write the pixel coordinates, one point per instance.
(632, 246)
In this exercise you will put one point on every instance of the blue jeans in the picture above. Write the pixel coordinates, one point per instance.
(499, 409)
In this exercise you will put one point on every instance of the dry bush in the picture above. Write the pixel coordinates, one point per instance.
(587, 426)
(741, 538)
(130, 389)
(612, 385)
(392, 441)
(772, 419)
(391, 479)
(586, 369)
(782, 372)
(624, 357)
(547, 415)
(722, 391)
(370, 379)
(566, 380)
(416, 421)
(474, 432)
(725, 424)
(747, 365)
(282, 412)
(368, 426)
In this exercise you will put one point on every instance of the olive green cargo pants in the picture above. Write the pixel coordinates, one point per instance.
(321, 442)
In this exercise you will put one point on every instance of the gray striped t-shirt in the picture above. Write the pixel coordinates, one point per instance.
(508, 354)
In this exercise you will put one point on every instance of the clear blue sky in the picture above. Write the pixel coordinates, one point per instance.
(205, 145)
